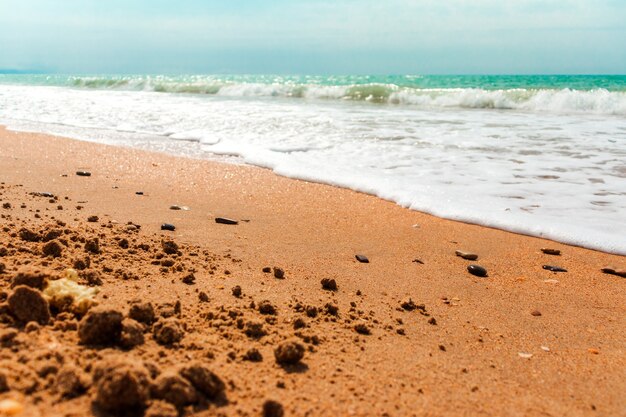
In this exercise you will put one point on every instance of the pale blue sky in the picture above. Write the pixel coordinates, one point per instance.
(316, 36)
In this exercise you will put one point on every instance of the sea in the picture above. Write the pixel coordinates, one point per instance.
(541, 155)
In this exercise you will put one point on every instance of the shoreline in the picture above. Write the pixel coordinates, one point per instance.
(178, 151)
(313, 231)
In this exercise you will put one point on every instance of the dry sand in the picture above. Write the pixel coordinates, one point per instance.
(523, 341)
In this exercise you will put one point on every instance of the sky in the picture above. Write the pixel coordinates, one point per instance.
(315, 36)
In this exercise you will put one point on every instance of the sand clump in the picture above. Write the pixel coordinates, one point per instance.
(30, 277)
(160, 408)
(132, 334)
(28, 304)
(168, 331)
(100, 326)
(204, 380)
(174, 389)
(289, 353)
(121, 386)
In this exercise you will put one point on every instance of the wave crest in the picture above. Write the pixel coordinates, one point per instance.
(566, 100)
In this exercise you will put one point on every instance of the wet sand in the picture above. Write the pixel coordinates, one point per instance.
(524, 341)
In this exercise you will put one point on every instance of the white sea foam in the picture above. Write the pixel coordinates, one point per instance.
(537, 168)
(565, 100)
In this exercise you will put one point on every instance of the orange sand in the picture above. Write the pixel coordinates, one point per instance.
(313, 231)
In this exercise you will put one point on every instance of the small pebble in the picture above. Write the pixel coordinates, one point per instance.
(224, 220)
(613, 271)
(362, 258)
(9, 407)
(289, 353)
(593, 351)
(189, 279)
(408, 305)
(549, 251)
(279, 273)
(525, 355)
(536, 313)
(139, 192)
(329, 284)
(273, 409)
(418, 261)
(545, 348)
(554, 268)
(362, 329)
(253, 355)
(236, 291)
(466, 255)
(83, 173)
(477, 270)
(167, 226)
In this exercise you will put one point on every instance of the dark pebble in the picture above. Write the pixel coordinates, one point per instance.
(167, 226)
(139, 192)
(612, 271)
(279, 273)
(362, 329)
(408, 305)
(224, 220)
(477, 270)
(253, 355)
(536, 313)
(329, 284)
(418, 261)
(189, 279)
(554, 268)
(236, 291)
(362, 258)
(289, 353)
(267, 269)
(267, 308)
(273, 409)
(83, 173)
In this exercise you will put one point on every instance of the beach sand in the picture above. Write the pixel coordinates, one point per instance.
(523, 341)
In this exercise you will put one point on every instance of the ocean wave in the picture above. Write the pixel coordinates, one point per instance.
(565, 100)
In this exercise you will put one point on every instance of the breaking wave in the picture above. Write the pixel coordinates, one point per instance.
(564, 100)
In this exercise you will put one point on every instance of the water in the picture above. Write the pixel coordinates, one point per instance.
(539, 155)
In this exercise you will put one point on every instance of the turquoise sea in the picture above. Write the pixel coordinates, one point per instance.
(377, 88)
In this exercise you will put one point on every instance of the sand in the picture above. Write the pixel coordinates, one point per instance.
(524, 341)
